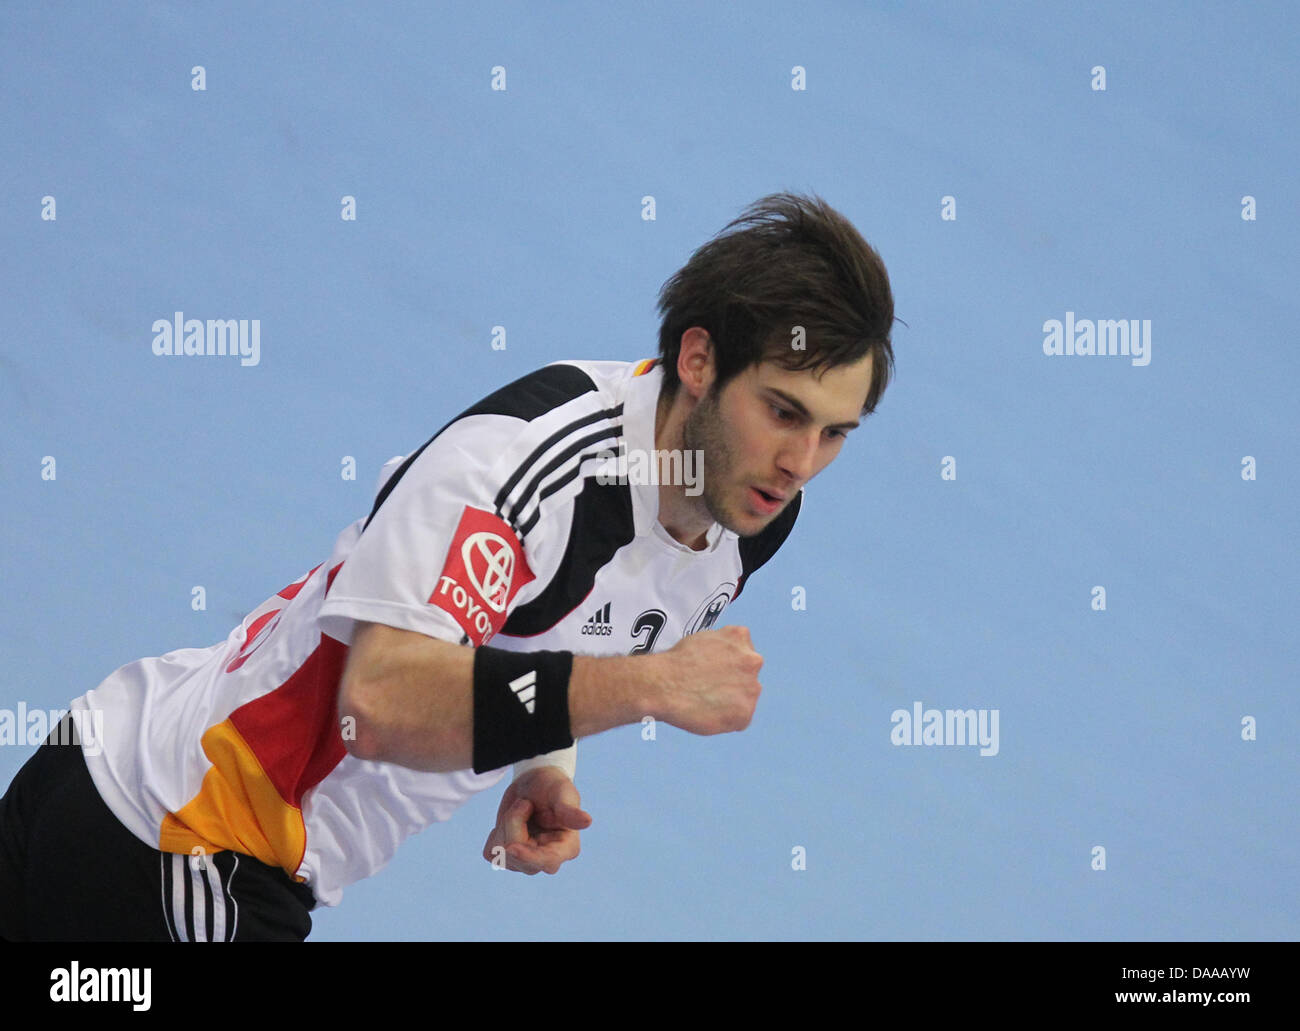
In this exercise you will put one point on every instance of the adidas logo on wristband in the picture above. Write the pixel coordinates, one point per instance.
(525, 688)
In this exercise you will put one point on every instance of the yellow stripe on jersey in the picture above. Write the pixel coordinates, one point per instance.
(643, 366)
(237, 808)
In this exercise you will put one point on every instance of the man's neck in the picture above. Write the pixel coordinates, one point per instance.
(686, 522)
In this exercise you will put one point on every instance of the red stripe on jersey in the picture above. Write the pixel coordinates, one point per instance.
(294, 730)
(329, 581)
(291, 592)
(251, 643)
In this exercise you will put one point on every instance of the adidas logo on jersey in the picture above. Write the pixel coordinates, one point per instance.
(525, 688)
(599, 624)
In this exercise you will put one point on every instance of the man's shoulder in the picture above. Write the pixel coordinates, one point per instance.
(548, 411)
(552, 386)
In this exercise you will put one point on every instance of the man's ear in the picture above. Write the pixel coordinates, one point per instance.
(695, 362)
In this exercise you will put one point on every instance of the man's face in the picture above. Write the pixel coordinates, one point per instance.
(768, 433)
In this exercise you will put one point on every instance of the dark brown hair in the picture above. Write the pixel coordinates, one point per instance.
(787, 261)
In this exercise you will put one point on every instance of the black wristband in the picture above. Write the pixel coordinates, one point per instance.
(521, 705)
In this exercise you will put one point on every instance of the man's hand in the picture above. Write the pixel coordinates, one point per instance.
(538, 822)
(713, 686)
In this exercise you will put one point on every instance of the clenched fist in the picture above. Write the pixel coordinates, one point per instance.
(712, 681)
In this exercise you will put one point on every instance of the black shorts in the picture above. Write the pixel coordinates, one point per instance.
(70, 871)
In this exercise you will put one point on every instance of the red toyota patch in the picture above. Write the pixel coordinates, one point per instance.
(485, 569)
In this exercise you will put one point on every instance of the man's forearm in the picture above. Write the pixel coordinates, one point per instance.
(604, 677)
(411, 697)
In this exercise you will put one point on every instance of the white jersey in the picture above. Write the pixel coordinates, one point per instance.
(525, 522)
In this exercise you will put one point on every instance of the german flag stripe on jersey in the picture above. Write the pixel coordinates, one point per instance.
(250, 800)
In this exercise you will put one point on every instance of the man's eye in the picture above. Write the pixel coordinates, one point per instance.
(781, 413)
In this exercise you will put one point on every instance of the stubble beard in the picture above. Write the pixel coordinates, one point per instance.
(705, 431)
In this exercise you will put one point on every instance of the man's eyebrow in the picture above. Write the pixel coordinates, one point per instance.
(798, 406)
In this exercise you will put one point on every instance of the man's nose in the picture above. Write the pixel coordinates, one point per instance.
(799, 456)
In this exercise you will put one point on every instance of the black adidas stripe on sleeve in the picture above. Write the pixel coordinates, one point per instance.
(526, 398)
(602, 523)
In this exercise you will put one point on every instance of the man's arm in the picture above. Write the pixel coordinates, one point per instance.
(412, 699)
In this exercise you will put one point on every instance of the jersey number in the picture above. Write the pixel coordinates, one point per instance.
(648, 624)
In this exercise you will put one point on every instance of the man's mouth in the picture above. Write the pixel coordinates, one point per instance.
(766, 501)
